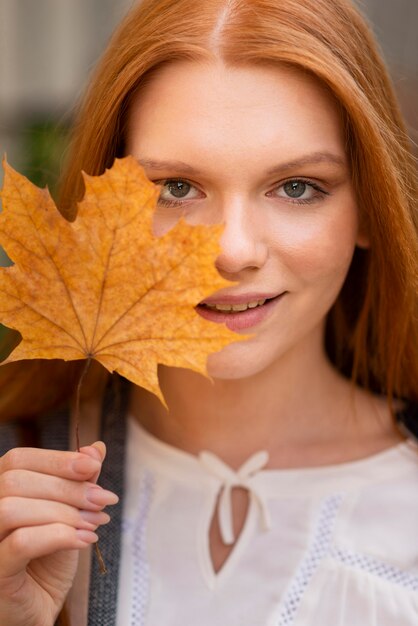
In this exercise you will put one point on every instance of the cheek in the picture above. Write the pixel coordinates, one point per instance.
(163, 221)
(311, 260)
(319, 249)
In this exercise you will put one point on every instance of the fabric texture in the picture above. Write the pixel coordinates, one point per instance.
(104, 587)
(322, 545)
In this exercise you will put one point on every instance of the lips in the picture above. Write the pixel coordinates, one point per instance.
(240, 319)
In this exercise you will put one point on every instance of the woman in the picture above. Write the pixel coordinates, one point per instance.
(278, 119)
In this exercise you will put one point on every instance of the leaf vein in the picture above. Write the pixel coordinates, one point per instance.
(67, 291)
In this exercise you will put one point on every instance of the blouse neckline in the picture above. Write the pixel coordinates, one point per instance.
(185, 466)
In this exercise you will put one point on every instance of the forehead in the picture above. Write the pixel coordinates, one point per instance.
(206, 108)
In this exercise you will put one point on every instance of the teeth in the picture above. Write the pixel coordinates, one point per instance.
(221, 307)
(227, 308)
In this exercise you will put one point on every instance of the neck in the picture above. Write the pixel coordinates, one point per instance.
(298, 404)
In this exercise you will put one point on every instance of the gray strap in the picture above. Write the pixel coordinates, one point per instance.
(104, 588)
(8, 437)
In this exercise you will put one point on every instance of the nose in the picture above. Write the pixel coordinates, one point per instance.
(243, 244)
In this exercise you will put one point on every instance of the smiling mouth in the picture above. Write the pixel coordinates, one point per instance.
(236, 308)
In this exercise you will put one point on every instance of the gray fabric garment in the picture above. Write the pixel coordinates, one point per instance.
(104, 587)
(53, 433)
(8, 437)
(50, 431)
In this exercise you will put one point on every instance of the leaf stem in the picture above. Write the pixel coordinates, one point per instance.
(102, 566)
(77, 402)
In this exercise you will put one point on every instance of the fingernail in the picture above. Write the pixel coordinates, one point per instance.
(87, 536)
(96, 519)
(101, 497)
(96, 450)
(86, 465)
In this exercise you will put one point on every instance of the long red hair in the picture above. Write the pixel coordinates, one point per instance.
(372, 331)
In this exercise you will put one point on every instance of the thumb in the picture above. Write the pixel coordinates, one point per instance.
(97, 451)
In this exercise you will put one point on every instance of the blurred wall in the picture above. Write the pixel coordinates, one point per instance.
(395, 24)
(48, 48)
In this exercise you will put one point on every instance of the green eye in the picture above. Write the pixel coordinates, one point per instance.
(295, 188)
(299, 191)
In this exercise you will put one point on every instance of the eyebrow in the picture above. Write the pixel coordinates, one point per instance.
(168, 165)
(310, 159)
(313, 158)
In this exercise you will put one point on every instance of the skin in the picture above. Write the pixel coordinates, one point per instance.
(277, 390)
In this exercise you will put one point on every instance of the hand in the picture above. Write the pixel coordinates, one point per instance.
(50, 507)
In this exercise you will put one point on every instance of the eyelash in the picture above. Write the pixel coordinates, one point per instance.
(321, 192)
(167, 181)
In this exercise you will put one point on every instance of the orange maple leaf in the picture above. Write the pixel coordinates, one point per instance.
(104, 287)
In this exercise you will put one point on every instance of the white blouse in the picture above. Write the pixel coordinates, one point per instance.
(325, 546)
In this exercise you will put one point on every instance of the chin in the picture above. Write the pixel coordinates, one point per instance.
(231, 364)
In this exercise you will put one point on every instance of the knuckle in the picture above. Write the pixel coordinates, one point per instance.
(19, 541)
(66, 491)
(62, 533)
(7, 513)
(9, 483)
(75, 493)
(58, 463)
(12, 459)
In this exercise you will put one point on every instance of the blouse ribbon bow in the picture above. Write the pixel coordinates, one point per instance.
(240, 478)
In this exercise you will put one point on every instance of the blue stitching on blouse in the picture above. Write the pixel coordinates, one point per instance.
(320, 547)
(141, 574)
(377, 568)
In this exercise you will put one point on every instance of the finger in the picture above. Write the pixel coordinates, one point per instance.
(21, 512)
(25, 544)
(97, 451)
(82, 495)
(72, 465)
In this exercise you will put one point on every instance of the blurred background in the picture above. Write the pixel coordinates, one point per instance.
(47, 51)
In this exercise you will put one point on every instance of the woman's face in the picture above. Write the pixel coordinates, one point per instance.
(261, 150)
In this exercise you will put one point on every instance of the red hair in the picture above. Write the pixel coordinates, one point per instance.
(372, 331)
